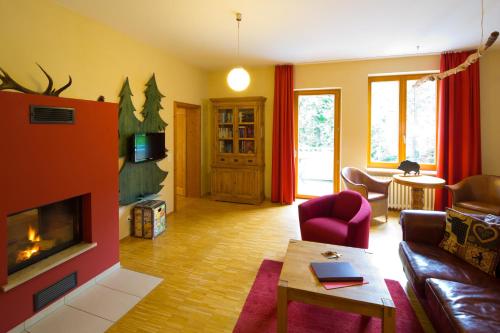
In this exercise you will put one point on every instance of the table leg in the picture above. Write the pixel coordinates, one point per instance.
(417, 198)
(282, 307)
(389, 317)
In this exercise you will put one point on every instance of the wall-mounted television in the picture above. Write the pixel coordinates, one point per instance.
(147, 147)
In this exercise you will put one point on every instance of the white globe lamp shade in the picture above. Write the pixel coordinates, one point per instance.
(238, 79)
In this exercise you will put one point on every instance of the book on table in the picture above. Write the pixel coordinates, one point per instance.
(335, 271)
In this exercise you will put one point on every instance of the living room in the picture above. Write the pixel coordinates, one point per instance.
(204, 272)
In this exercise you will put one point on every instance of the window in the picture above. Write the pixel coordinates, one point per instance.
(402, 121)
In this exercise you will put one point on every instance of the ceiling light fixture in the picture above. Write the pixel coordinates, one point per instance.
(238, 78)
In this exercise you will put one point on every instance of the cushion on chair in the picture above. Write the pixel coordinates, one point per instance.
(373, 196)
(473, 240)
(346, 205)
(325, 230)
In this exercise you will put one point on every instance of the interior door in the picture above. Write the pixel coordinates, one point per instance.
(180, 151)
(317, 142)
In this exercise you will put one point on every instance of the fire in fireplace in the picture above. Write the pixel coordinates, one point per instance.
(38, 233)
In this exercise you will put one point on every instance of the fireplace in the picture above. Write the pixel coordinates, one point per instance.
(35, 234)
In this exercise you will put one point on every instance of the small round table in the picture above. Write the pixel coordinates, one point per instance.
(417, 184)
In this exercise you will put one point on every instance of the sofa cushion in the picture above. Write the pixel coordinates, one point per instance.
(473, 240)
(483, 207)
(422, 261)
(459, 307)
(325, 230)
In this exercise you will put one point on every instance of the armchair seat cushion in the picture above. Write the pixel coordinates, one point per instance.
(466, 308)
(374, 196)
(328, 230)
(422, 261)
(478, 206)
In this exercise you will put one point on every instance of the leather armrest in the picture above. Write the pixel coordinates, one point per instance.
(317, 207)
(377, 185)
(459, 191)
(423, 226)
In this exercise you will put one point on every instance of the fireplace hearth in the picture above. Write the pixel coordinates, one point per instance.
(38, 233)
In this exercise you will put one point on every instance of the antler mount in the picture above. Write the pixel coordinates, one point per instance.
(8, 83)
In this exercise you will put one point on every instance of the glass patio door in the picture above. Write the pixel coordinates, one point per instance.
(317, 142)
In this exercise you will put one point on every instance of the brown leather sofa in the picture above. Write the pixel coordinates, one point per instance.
(477, 194)
(456, 296)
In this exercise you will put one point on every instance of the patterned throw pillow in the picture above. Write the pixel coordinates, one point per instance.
(470, 238)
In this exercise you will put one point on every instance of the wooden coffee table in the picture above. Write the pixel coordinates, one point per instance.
(298, 283)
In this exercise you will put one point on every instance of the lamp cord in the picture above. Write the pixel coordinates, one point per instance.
(482, 19)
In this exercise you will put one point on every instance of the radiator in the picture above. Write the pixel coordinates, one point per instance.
(400, 196)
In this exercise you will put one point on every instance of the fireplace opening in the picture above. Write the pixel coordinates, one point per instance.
(38, 233)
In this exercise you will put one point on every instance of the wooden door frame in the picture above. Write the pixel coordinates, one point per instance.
(186, 106)
(336, 135)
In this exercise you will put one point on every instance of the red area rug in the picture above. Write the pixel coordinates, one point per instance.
(259, 312)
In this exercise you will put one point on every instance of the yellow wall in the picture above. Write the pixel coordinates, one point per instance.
(490, 112)
(262, 84)
(98, 58)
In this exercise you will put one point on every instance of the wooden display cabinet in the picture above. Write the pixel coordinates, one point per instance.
(238, 149)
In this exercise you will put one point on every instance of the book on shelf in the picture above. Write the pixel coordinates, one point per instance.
(225, 117)
(335, 272)
(225, 132)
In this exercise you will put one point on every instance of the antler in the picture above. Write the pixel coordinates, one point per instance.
(60, 90)
(8, 83)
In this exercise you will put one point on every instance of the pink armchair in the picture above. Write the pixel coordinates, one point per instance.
(341, 219)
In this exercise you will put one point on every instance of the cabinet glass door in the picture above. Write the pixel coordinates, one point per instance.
(225, 133)
(246, 131)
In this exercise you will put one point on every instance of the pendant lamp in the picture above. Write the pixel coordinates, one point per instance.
(238, 78)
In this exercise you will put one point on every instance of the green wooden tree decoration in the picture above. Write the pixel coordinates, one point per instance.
(128, 124)
(152, 178)
(139, 180)
(151, 109)
(130, 183)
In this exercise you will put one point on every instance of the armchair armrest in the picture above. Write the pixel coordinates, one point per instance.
(378, 185)
(459, 191)
(358, 229)
(360, 188)
(321, 206)
(423, 226)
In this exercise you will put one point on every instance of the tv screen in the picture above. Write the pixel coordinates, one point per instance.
(147, 147)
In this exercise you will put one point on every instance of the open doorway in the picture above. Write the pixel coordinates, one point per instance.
(187, 150)
(317, 142)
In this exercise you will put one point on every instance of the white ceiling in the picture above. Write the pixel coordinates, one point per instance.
(203, 32)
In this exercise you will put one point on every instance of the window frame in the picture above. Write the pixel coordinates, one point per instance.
(402, 79)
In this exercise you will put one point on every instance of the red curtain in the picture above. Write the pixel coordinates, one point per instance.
(459, 139)
(283, 168)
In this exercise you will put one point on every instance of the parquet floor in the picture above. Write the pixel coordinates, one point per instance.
(209, 256)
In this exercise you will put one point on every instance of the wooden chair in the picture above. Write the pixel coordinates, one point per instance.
(374, 190)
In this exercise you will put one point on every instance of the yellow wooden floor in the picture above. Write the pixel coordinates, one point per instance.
(209, 256)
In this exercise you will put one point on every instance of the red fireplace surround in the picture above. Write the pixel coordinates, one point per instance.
(46, 163)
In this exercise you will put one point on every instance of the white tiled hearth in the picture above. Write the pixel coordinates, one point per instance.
(94, 306)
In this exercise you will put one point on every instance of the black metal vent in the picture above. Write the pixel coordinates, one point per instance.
(51, 115)
(49, 294)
